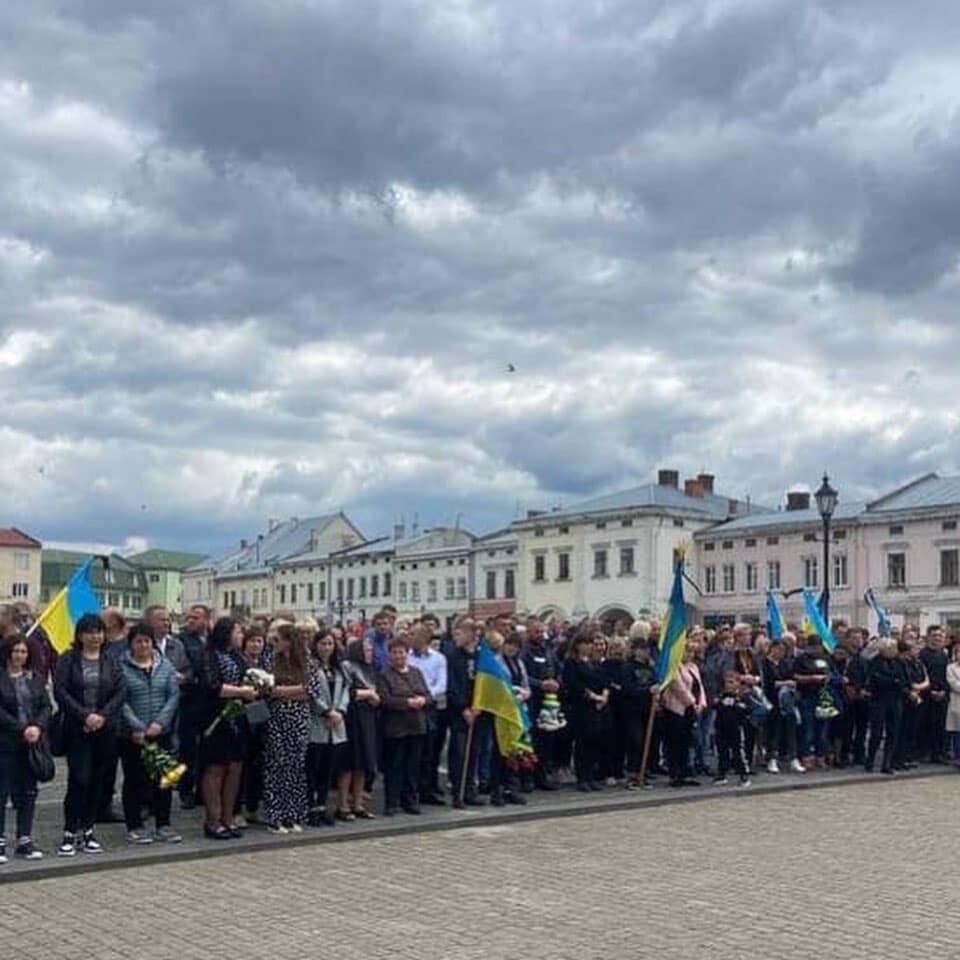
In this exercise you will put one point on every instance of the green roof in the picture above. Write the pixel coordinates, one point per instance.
(165, 559)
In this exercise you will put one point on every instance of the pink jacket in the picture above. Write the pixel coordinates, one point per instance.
(679, 696)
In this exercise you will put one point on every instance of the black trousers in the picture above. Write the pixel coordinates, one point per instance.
(402, 773)
(439, 742)
(677, 730)
(139, 790)
(87, 757)
(884, 724)
(189, 730)
(429, 757)
(456, 756)
(732, 751)
(933, 729)
(108, 783)
(905, 749)
(321, 771)
(588, 752)
(855, 731)
(18, 785)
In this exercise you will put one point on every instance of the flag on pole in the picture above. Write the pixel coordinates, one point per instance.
(883, 623)
(67, 607)
(775, 622)
(816, 621)
(673, 636)
(493, 693)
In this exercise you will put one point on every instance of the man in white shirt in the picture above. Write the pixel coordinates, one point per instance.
(433, 665)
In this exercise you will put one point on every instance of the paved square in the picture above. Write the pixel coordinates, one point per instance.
(856, 871)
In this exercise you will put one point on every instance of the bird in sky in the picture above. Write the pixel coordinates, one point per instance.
(511, 368)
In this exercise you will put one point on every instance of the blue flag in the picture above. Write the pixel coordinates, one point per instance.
(883, 624)
(775, 622)
(817, 622)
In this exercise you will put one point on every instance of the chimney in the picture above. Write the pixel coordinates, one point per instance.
(693, 488)
(798, 500)
(314, 538)
(416, 525)
(668, 478)
(243, 544)
(399, 530)
(706, 481)
(535, 513)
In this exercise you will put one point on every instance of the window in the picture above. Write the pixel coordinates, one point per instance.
(773, 574)
(809, 538)
(727, 544)
(402, 591)
(710, 579)
(839, 569)
(509, 589)
(811, 571)
(709, 546)
(448, 588)
(563, 529)
(415, 591)
(461, 588)
(323, 592)
(154, 577)
(896, 529)
(949, 525)
(539, 569)
(626, 561)
(602, 525)
(750, 577)
(729, 583)
(309, 593)
(350, 588)
(839, 534)
(538, 531)
(599, 563)
(750, 542)
(374, 584)
(563, 566)
(896, 569)
(431, 591)
(949, 569)
(772, 541)
(627, 523)
(283, 593)
(293, 592)
(677, 521)
(20, 590)
(21, 560)
(491, 584)
(386, 584)
(340, 589)
(362, 587)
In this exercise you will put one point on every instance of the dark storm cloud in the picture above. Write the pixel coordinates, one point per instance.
(266, 259)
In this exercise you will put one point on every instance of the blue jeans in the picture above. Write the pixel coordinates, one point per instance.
(813, 732)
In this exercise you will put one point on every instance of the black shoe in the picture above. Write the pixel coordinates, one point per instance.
(547, 785)
(496, 799)
(483, 787)
(472, 800)
(583, 787)
(412, 808)
(689, 782)
(887, 770)
(868, 768)
(517, 799)
(216, 833)
(458, 804)
(390, 811)
(433, 800)
(595, 785)
(676, 783)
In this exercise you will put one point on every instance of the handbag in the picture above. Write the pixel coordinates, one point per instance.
(257, 713)
(40, 760)
(55, 738)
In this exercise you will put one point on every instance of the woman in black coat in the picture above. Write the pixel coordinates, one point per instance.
(90, 692)
(587, 697)
(24, 716)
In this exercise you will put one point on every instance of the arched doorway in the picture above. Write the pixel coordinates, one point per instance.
(545, 614)
(610, 615)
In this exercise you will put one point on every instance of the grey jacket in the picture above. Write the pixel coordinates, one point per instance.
(325, 697)
(151, 697)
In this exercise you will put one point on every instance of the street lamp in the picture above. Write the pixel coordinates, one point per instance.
(826, 498)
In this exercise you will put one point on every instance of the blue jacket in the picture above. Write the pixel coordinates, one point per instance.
(151, 696)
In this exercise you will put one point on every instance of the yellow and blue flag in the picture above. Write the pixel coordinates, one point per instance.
(883, 622)
(775, 622)
(673, 636)
(815, 617)
(67, 607)
(493, 693)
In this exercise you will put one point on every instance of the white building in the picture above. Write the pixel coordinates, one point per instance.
(612, 557)
(433, 572)
(905, 545)
(279, 569)
(496, 561)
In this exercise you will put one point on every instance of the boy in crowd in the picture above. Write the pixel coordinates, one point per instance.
(733, 716)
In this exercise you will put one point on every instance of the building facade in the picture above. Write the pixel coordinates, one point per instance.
(163, 570)
(121, 585)
(613, 557)
(904, 545)
(20, 567)
(495, 565)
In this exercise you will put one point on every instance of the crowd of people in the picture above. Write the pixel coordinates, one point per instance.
(289, 723)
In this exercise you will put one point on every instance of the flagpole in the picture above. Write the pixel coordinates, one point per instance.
(466, 761)
(648, 737)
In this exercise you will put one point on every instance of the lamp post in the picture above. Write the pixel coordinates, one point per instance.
(826, 498)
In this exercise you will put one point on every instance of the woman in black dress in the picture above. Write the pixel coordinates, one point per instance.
(587, 698)
(361, 722)
(222, 750)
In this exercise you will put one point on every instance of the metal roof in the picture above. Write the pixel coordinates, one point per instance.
(782, 518)
(285, 539)
(165, 559)
(712, 505)
(924, 492)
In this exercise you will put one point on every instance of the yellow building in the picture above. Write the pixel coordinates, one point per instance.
(19, 567)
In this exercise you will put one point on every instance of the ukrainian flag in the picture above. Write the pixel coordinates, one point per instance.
(673, 636)
(493, 693)
(67, 607)
(777, 625)
(819, 625)
(883, 622)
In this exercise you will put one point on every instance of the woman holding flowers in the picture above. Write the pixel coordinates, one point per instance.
(153, 695)
(222, 744)
(288, 731)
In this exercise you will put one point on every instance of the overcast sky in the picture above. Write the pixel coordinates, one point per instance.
(268, 260)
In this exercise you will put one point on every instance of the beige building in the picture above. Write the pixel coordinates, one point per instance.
(20, 567)
(904, 545)
(496, 561)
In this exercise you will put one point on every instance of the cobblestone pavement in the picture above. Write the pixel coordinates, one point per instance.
(864, 870)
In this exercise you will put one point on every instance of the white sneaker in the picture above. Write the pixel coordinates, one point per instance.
(796, 766)
(68, 847)
(773, 766)
(295, 828)
(277, 828)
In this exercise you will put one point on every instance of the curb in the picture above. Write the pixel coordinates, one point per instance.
(479, 817)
